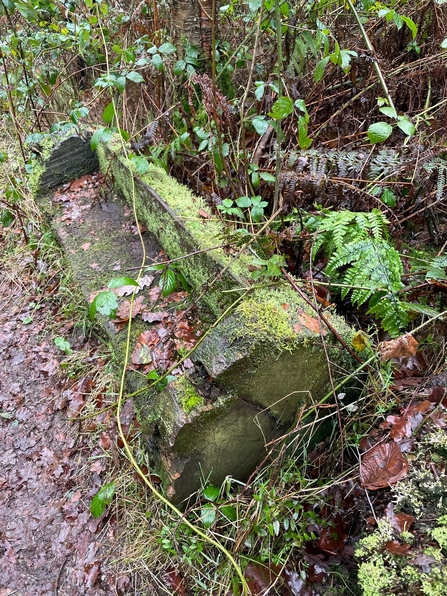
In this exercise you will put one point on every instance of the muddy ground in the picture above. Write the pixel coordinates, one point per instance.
(49, 542)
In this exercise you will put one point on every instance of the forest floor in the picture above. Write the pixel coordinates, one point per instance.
(49, 469)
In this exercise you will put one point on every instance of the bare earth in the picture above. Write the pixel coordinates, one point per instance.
(49, 542)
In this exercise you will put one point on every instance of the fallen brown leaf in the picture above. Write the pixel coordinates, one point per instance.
(382, 465)
(405, 345)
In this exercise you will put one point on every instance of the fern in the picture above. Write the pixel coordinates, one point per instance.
(438, 165)
(362, 258)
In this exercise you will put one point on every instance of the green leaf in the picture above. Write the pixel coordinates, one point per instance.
(63, 345)
(320, 68)
(229, 511)
(100, 134)
(260, 90)
(411, 25)
(140, 164)
(211, 492)
(120, 83)
(168, 282)
(388, 198)
(260, 124)
(406, 126)
(135, 77)
(243, 202)
(106, 492)
(9, 5)
(304, 141)
(118, 282)
(97, 507)
(267, 177)
(208, 515)
(105, 303)
(157, 61)
(254, 5)
(167, 48)
(179, 67)
(379, 132)
(102, 498)
(6, 217)
(108, 113)
(391, 112)
(282, 108)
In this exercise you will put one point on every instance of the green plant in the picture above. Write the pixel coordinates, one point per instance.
(102, 498)
(106, 302)
(254, 208)
(361, 255)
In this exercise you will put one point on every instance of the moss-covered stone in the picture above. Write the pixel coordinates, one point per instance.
(62, 157)
(171, 212)
(211, 441)
(269, 350)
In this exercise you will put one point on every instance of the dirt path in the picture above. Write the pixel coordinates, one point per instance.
(49, 542)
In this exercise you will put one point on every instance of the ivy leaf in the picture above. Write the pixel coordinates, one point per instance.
(108, 113)
(208, 515)
(282, 108)
(379, 132)
(105, 303)
(211, 492)
(135, 77)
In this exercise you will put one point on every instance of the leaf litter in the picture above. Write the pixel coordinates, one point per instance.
(48, 543)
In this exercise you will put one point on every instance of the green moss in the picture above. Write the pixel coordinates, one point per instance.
(265, 321)
(188, 396)
(440, 533)
(382, 572)
(374, 577)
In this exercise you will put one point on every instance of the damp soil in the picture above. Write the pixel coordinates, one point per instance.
(49, 542)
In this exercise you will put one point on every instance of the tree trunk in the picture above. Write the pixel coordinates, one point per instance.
(192, 19)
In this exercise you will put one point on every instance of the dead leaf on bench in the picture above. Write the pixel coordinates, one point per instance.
(382, 465)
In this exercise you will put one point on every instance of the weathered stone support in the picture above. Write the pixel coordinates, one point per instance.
(261, 364)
